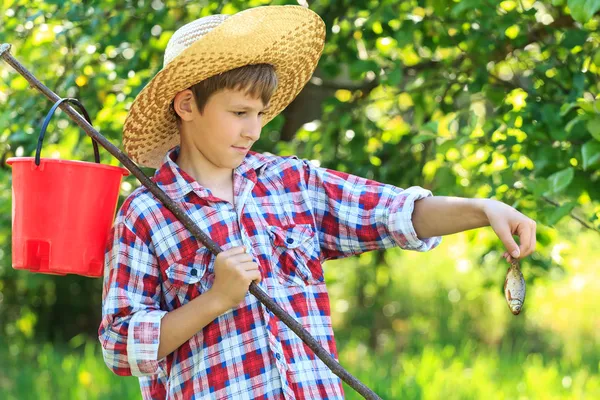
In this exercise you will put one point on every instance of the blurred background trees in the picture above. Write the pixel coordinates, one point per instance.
(469, 98)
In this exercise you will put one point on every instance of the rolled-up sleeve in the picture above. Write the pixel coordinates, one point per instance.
(400, 220)
(131, 316)
(355, 214)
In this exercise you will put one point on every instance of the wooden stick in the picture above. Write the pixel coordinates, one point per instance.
(263, 297)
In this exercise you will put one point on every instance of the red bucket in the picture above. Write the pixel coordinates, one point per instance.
(62, 212)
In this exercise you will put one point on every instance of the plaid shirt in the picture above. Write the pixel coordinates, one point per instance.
(293, 216)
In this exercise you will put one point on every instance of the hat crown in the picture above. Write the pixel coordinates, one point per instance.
(185, 36)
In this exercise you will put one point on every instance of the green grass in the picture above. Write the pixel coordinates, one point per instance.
(434, 373)
(46, 372)
(446, 373)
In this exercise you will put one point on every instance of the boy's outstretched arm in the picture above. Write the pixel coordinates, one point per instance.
(353, 214)
(441, 215)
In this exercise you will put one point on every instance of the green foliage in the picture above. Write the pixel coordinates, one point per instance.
(437, 372)
(72, 371)
(583, 10)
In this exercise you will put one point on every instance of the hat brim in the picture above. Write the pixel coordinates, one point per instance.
(291, 38)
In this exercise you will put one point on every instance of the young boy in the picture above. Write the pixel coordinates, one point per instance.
(180, 318)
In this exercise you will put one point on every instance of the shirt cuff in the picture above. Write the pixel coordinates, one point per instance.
(143, 338)
(400, 221)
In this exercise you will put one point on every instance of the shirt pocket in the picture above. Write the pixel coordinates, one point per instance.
(295, 254)
(192, 275)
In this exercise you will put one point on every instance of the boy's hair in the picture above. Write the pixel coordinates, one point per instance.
(258, 80)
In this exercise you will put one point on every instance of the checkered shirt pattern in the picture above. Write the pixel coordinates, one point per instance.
(292, 216)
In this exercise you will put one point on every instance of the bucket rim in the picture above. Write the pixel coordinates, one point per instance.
(12, 160)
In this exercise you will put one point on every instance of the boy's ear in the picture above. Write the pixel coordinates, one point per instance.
(184, 104)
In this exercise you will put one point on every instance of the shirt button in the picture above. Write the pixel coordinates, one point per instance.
(278, 356)
(290, 240)
(194, 272)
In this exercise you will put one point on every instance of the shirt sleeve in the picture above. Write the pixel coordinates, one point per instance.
(131, 316)
(355, 214)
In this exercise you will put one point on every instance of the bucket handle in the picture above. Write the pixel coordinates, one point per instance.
(38, 151)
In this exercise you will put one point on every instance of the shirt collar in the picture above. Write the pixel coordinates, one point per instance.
(177, 183)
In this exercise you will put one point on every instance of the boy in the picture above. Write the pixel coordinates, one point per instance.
(181, 319)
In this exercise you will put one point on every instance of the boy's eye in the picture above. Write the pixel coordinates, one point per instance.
(240, 113)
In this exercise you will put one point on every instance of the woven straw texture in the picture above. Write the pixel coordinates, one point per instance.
(291, 38)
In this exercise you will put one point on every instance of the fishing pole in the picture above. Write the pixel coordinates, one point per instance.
(263, 297)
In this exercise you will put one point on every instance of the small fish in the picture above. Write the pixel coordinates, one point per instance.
(514, 287)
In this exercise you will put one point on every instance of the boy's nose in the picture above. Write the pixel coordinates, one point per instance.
(253, 130)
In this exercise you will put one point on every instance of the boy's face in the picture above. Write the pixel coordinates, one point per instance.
(224, 132)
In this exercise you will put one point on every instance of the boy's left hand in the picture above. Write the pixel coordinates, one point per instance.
(506, 221)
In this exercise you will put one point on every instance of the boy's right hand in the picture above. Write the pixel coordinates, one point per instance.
(234, 271)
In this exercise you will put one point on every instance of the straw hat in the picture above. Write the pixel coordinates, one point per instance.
(290, 38)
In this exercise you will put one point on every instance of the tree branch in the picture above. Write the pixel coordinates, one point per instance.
(573, 215)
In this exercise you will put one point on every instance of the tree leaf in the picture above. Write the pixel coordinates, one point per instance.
(572, 123)
(583, 10)
(423, 137)
(565, 108)
(574, 37)
(561, 180)
(591, 154)
(593, 126)
(464, 6)
(538, 187)
(560, 212)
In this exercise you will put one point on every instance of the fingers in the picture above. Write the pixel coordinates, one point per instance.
(253, 271)
(234, 250)
(235, 255)
(255, 275)
(527, 238)
(533, 236)
(240, 259)
(524, 233)
(505, 236)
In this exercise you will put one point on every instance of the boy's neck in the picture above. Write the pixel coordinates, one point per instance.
(216, 179)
